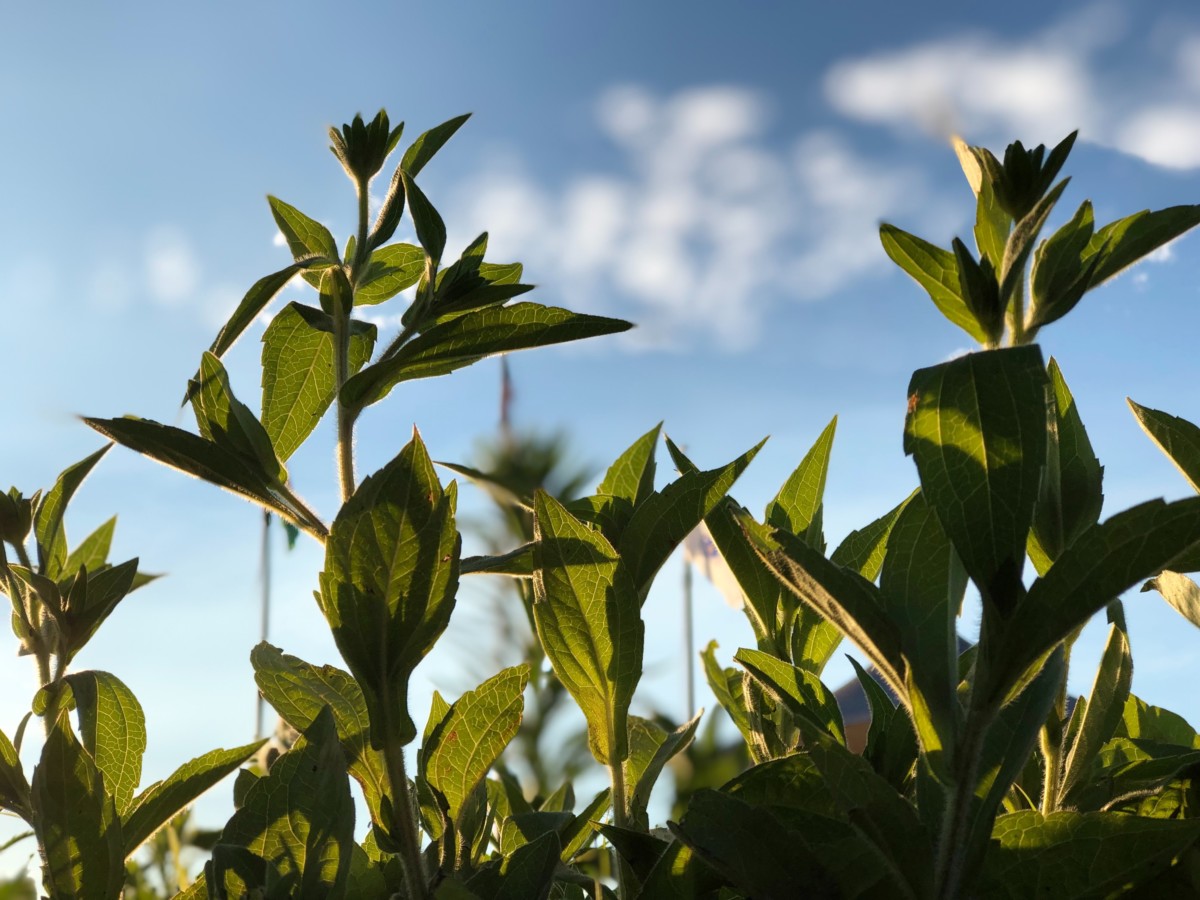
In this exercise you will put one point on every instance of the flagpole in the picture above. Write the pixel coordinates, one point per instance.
(264, 611)
(689, 649)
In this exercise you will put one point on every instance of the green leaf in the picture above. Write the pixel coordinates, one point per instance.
(629, 481)
(91, 600)
(467, 339)
(227, 422)
(1058, 278)
(1154, 724)
(48, 519)
(1102, 714)
(299, 817)
(472, 735)
(726, 685)
(651, 747)
(1071, 494)
(305, 237)
(528, 874)
(679, 875)
(1120, 244)
(977, 430)
(298, 372)
(865, 549)
(429, 143)
(517, 563)
(298, 691)
(668, 516)
(14, 789)
(981, 291)
(431, 230)
(587, 613)
(92, 552)
(1106, 560)
(391, 270)
(260, 294)
(195, 456)
(1178, 438)
(812, 705)
(79, 834)
(1022, 239)
(577, 835)
(797, 506)
(891, 745)
(853, 604)
(936, 271)
(922, 585)
(1070, 854)
(391, 572)
(1180, 591)
(162, 801)
(113, 728)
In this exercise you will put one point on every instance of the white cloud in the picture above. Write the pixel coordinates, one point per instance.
(170, 267)
(711, 222)
(1037, 89)
(110, 285)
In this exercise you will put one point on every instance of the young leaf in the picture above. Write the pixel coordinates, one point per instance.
(391, 572)
(726, 685)
(1120, 244)
(661, 523)
(797, 506)
(217, 465)
(977, 430)
(391, 270)
(93, 550)
(162, 801)
(864, 549)
(650, 749)
(228, 423)
(48, 519)
(305, 237)
(936, 271)
(1058, 278)
(629, 481)
(1071, 854)
(472, 735)
(467, 339)
(891, 745)
(431, 230)
(298, 377)
(113, 728)
(91, 600)
(1021, 241)
(79, 834)
(298, 691)
(1180, 591)
(299, 818)
(588, 620)
(1103, 713)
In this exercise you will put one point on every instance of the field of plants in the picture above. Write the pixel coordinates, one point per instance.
(981, 776)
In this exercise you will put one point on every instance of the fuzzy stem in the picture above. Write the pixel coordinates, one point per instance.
(621, 820)
(953, 843)
(404, 821)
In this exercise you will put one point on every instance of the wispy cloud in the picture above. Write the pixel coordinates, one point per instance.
(172, 272)
(710, 223)
(1039, 88)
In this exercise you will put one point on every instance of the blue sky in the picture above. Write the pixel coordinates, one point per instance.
(718, 179)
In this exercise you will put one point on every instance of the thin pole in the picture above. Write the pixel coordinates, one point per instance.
(689, 649)
(264, 611)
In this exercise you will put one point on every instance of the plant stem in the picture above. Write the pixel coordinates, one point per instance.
(23, 556)
(621, 820)
(404, 820)
(357, 269)
(345, 417)
(954, 841)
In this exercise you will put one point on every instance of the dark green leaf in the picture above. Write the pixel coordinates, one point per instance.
(161, 801)
(936, 271)
(255, 301)
(891, 743)
(517, 563)
(577, 835)
(227, 422)
(802, 693)
(1021, 242)
(195, 456)
(48, 519)
(466, 339)
(79, 834)
(1058, 278)
(1070, 854)
(299, 817)
(391, 572)
(726, 685)
(431, 230)
(299, 691)
(298, 372)
(586, 609)
(113, 728)
(14, 789)
(1120, 244)
(977, 430)
(305, 237)
(650, 749)
(665, 518)
(391, 270)
(429, 143)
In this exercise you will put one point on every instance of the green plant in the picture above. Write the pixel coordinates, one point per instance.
(979, 778)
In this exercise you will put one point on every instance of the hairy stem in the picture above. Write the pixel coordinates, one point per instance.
(345, 417)
(404, 821)
(621, 820)
(954, 841)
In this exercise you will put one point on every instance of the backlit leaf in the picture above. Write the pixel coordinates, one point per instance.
(48, 519)
(936, 271)
(113, 728)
